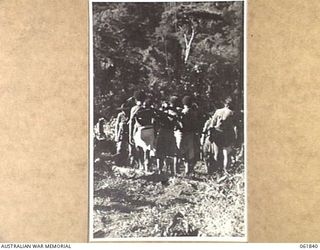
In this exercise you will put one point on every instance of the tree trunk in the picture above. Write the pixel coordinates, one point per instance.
(188, 45)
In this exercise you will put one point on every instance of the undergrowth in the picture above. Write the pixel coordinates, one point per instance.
(131, 203)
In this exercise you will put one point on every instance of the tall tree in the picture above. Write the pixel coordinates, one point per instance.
(167, 47)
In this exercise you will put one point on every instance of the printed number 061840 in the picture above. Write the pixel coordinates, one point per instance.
(308, 245)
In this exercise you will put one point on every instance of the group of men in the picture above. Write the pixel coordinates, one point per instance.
(173, 134)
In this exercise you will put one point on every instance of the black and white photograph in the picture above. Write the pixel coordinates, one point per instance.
(168, 121)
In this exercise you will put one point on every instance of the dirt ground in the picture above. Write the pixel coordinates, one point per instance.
(131, 203)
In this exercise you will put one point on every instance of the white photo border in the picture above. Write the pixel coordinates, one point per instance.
(91, 136)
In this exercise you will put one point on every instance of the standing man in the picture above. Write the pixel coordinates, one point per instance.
(189, 129)
(139, 97)
(122, 134)
(166, 146)
(144, 133)
(223, 133)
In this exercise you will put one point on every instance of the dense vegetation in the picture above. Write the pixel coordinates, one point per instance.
(166, 48)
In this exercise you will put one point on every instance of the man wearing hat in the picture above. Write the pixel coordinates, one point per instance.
(122, 132)
(223, 131)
